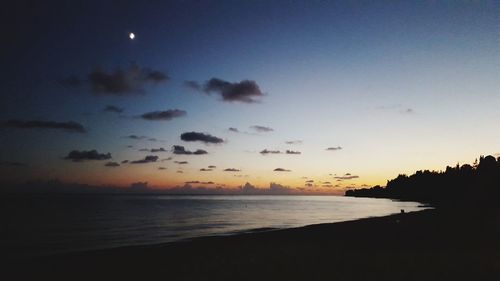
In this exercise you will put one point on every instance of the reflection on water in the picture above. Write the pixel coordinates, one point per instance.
(37, 225)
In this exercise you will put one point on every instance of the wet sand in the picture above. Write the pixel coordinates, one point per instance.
(425, 245)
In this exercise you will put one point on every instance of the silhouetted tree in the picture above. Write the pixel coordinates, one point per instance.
(475, 184)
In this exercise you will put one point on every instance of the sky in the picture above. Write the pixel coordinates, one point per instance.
(316, 96)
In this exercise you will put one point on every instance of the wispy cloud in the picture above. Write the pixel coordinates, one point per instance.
(69, 126)
(165, 115)
(261, 129)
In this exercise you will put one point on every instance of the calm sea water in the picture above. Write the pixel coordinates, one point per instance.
(40, 225)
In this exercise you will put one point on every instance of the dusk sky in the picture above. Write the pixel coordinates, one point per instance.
(357, 92)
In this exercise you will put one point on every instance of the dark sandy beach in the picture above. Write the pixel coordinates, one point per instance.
(426, 245)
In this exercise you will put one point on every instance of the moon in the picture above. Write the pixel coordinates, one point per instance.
(131, 35)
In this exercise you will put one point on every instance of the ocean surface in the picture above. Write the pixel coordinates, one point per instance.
(47, 224)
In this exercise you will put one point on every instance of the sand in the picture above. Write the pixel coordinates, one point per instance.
(425, 245)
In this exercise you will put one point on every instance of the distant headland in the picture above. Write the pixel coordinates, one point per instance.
(474, 183)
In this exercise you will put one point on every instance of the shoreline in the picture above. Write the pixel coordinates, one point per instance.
(431, 244)
(252, 231)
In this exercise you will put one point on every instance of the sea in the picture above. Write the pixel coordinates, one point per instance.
(38, 225)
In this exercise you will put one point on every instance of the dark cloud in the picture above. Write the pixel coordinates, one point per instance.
(165, 115)
(78, 156)
(124, 161)
(147, 159)
(179, 172)
(195, 136)
(181, 162)
(112, 164)
(293, 152)
(246, 91)
(265, 151)
(334, 148)
(281, 170)
(193, 85)
(112, 108)
(212, 167)
(179, 149)
(346, 177)
(207, 182)
(144, 150)
(327, 185)
(139, 186)
(191, 182)
(234, 130)
(294, 142)
(130, 81)
(205, 170)
(309, 184)
(326, 182)
(161, 149)
(36, 124)
(232, 170)
(261, 129)
(162, 168)
(166, 159)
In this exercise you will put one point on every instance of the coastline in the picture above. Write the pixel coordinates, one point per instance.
(429, 244)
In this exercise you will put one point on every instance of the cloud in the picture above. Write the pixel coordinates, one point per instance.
(234, 130)
(265, 151)
(203, 137)
(294, 142)
(165, 115)
(70, 126)
(261, 129)
(139, 186)
(212, 167)
(281, 170)
(181, 162)
(124, 161)
(121, 82)
(191, 182)
(193, 85)
(334, 148)
(112, 108)
(205, 170)
(232, 170)
(245, 91)
(162, 168)
(347, 176)
(112, 164)
(179, 149)
(166, 159)
(161, 149)
(136, 137)
(179, 172)
(147, 159)
(327, 185)
(310, 181)
(78, 156)
(293, 152)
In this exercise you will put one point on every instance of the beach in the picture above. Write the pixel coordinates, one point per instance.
(426, 245)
